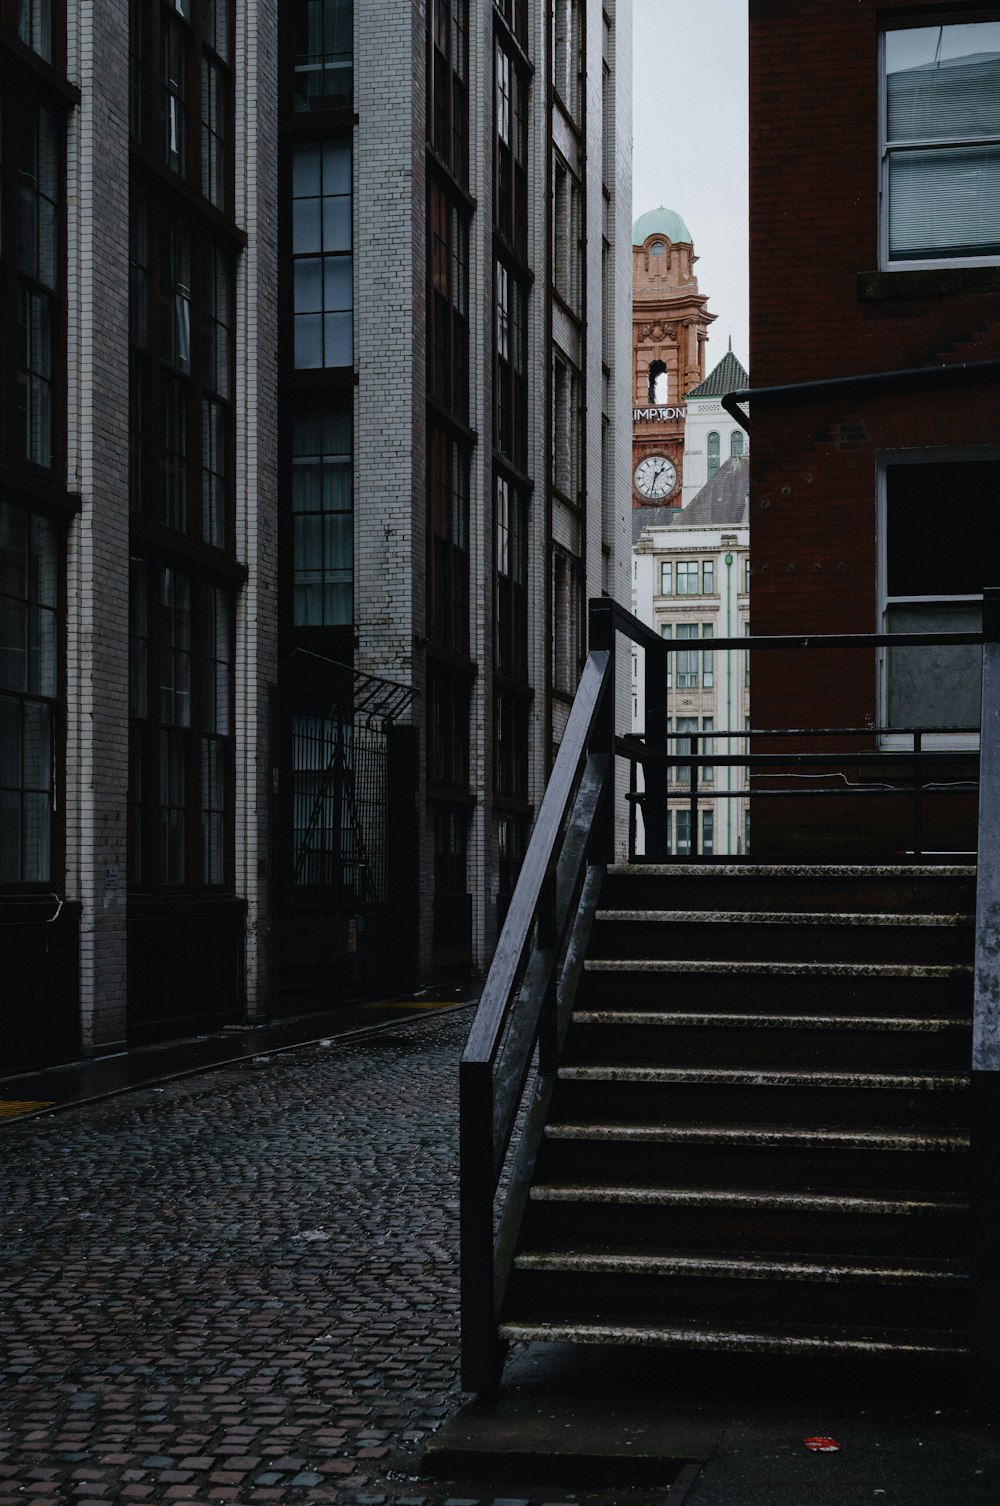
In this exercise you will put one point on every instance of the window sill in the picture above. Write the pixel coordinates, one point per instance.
(926, 282)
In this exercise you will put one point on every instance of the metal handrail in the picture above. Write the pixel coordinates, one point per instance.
(524, 1007)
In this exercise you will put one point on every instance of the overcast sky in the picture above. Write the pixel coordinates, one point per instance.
(690, 144)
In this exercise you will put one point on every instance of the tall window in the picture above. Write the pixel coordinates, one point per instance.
(323, 277)
(322, 517)
(323, 67)
(567, 401)
(568, 54)
(29, 636)
(567, 229)
(449, 105)
(566, 620)
(180, 65)
(31, 277)
(511, 179)
(714, 458)
(180, 764)
(181, 418)
(511, 346)
(941, 144)
(448, 343)
(687, 658)
(736, 442)
(512, 580)
(449, 549)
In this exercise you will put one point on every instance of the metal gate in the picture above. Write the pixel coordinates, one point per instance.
(334, 916)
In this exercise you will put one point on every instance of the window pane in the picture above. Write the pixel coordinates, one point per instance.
(924, 559)
(943, 81)
(944, 202)
(938, 686)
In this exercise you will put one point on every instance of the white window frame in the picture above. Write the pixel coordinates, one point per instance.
(886, 263)
(885, 459)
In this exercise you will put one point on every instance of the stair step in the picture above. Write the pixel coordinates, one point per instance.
(764, 1135)
(745, 1267)
(750, 1077)
(782, 918)
(742, 886)
(770, 1021)
(776, 1341)
(793, 870)
(763, 1200)
(780, 968)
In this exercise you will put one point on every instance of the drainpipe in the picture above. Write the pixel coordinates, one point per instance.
(729, 702)
(878, 381)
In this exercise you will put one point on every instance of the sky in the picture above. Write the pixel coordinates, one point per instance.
(689, 149)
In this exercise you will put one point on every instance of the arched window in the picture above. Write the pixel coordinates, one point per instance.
(657, 248)
(736, 442)
(657, 382)
(713, 454)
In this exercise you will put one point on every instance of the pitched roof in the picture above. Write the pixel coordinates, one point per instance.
(729, 376)
(722, 501)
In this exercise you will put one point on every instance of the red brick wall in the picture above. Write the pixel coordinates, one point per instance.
(814, 147)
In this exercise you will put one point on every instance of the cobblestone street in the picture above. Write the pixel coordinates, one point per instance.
(240, 1286)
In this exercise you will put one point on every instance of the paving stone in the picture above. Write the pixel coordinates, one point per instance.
(190, 1341)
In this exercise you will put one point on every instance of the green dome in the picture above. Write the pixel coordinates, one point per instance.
(663, 222)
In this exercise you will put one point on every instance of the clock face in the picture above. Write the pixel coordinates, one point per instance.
(655, 477)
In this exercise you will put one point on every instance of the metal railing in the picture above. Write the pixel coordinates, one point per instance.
(509, 1066)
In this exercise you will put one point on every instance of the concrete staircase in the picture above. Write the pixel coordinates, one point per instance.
(759, 1136)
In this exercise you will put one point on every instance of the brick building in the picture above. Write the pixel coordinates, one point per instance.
(875, 276)
(285, 529)
(670, 321)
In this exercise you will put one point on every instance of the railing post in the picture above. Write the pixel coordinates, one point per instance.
(985, 1305)
(654, 810)
(918, 794)
(476, 1193)
(601, 632)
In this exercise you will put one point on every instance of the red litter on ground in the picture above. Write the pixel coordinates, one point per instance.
(822, 1445)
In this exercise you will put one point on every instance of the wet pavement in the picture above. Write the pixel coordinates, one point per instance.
(241, 1285)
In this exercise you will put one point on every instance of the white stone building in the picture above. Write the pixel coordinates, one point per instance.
(691, 585)
(711, 435)
(296, 540)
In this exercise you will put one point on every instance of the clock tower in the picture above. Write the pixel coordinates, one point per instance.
(669, 329)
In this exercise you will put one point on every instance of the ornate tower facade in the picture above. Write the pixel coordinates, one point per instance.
(669, 328)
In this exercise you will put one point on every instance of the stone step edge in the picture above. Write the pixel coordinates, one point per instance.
(827, 1139)
(850, 1203)
(730, 1340)
(780, 969)
(769, 1078)
(745, 1268)
(784, 918)
(682, 1019)
(792, 870)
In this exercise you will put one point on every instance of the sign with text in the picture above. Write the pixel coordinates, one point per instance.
(657, 415)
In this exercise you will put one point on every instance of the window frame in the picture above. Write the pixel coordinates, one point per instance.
(23, 106)
(55, 704)
(887, 262)
(204, 378)
(189, 27)
(885, 460)
(148, 728)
